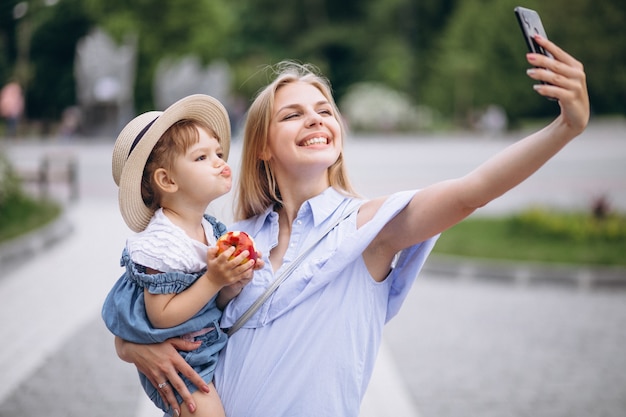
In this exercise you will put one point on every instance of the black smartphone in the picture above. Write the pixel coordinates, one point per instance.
(530, 23)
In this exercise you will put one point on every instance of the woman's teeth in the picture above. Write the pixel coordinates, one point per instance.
(315, 141)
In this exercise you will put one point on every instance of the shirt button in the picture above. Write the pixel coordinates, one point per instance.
(298, 222)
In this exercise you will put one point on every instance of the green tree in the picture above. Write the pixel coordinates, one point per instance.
(166, 28)
(481, 61)
(53, 46)
(8, 41)
(480, 56)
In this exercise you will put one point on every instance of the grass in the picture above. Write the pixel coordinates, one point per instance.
(540, 236)
(21, 214)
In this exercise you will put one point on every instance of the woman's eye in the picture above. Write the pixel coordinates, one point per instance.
(290, 116)
(326, 112)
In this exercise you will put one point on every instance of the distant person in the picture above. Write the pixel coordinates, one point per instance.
(169, 166)
(12, 106)
(310, 349)
(493, 121)
(70, 120)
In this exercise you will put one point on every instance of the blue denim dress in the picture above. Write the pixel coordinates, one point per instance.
(124, 314)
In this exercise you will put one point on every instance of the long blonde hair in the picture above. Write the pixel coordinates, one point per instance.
(257, 185)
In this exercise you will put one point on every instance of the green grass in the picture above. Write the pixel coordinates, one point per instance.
(20, 214)
(540, 236)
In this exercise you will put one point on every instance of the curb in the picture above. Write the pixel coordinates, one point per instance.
(582, 277)
(24, 247)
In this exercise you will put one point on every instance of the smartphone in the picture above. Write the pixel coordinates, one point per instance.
(530, 23)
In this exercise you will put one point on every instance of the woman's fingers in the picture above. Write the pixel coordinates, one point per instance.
(565, 81)
(185, 369)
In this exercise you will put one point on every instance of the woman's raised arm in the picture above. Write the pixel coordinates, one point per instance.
(442, 205)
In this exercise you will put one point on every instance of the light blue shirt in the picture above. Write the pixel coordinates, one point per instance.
(310, 349)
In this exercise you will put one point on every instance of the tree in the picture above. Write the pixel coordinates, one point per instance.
(166, 28)
(52, 87)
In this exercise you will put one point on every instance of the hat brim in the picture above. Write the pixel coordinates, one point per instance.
(198, 107)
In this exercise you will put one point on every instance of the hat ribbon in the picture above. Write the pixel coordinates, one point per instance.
(140, 135)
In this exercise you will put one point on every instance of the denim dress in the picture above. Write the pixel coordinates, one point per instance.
(124, 314)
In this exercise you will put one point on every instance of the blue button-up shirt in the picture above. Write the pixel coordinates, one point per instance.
(310, 349)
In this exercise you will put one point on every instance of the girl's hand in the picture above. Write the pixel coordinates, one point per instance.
(231, 291)
(223, 271)
(161, 364)
(567, 84)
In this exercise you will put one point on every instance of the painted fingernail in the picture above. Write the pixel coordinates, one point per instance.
(530, 57)
(531, 71)
(177, 412)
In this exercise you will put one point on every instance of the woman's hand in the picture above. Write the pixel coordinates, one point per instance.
(161, 364)
(567, 84)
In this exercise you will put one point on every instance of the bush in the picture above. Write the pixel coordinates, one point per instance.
(20, 213)
(580, 227)
(540, 235)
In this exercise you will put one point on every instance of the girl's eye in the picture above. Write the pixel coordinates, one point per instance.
(201, 158)
(220, 155)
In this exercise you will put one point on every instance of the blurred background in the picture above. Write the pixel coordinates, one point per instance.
(87, 66)
(447, 77)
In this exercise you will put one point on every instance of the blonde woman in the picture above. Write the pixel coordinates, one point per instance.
(310, 349)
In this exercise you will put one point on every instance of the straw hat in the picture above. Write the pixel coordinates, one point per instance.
(136, 141)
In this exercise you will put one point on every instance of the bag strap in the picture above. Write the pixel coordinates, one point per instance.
(283, 276)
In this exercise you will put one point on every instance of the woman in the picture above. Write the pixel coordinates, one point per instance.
(310, 349)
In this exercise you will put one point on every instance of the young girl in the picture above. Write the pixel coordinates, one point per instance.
(169, 166)
(319, 333)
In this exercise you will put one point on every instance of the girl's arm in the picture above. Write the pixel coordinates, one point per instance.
(442, 205)
(168, 310)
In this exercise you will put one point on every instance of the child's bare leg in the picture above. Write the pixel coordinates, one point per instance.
(207, 404)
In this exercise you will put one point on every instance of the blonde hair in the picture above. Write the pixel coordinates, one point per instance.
(176, 140)
(257, 186)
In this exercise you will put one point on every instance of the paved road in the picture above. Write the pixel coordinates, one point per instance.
(459, 347)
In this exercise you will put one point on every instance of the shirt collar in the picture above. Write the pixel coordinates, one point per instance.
(325, 204)
(321, 206)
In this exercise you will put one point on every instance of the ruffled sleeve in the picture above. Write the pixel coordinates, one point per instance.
(164, 247)
(162, 283)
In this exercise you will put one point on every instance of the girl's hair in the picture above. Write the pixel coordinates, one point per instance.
(176, 140)
(257, 185)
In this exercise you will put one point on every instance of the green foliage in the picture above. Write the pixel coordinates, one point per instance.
(457, 57)
(480, 61)
(580, 227)
(541, 236)
(51, 88)
(20, 213)
(166, 28)
(10, 185)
